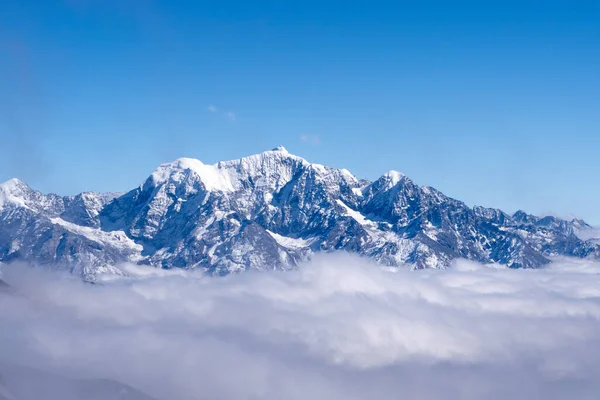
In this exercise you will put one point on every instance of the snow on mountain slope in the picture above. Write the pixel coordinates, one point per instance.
(117, 239)
(12, 192)
(269, 211)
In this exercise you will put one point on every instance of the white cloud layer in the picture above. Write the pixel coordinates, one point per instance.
(337, 328)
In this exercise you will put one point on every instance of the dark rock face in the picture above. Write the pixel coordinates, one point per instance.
(270, 211)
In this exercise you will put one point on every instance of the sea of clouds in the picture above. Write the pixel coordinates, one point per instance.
(338, 327)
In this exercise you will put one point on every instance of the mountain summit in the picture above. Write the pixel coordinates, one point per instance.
(270, 211)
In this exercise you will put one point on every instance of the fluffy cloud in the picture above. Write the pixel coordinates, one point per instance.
(337, 328)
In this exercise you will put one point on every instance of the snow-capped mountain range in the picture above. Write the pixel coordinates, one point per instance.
(270, 211)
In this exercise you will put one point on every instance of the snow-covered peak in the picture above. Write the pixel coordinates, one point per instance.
(394, 177)
(13, 184)
(271, 157)
(14, 191)
(213, 177)
(273, 167)
(280, 149)
(276, 167)
(522, 216)
(164, 171)
(580, 224)
(388, 180)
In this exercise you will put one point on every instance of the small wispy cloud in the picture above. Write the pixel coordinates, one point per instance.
(311, 139)
(230, 115)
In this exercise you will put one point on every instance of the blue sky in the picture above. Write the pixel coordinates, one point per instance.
(496, 103)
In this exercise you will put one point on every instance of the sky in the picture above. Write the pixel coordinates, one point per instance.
(496, 103)
(336, 328)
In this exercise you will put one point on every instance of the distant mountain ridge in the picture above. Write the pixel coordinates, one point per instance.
(270, 211)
